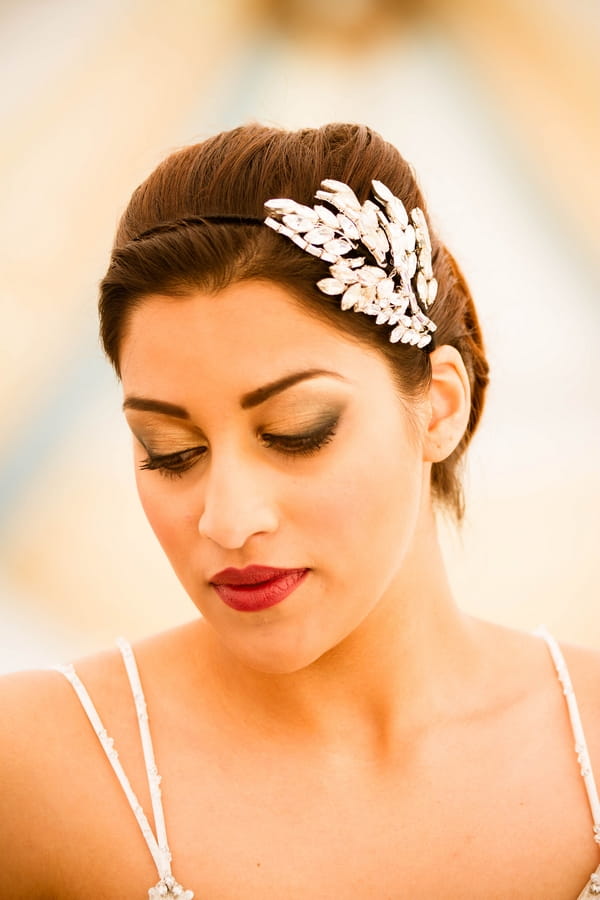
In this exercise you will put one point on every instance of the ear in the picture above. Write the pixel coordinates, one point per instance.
(449, 404)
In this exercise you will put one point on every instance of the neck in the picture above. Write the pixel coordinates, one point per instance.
(406, 667)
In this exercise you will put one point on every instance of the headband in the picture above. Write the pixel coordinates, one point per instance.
(380, 257)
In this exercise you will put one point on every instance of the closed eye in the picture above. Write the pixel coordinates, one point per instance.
(303, 444)
(173, 465)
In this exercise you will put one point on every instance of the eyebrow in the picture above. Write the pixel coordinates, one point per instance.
(258, 396)
(145, 404)
(247, 401)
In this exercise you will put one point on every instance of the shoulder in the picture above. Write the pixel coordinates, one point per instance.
(40, 713)
(52, 765)
(43, 723)
(40, 733)
(31, 707)
(583, 665)
(37, 702)
(525, 672)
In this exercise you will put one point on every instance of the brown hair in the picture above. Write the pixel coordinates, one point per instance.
(164, 245)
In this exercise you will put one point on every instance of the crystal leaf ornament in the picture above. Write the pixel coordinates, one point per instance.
(379, 255)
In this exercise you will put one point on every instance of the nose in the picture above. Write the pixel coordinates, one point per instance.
(236, 504)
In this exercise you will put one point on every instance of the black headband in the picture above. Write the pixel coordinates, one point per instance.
(197, 220)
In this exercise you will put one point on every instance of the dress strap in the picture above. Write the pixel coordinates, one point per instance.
(167, 886)
(581, 748)
(151, 770)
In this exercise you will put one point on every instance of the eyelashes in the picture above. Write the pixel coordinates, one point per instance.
(302, 444)
(174, 465)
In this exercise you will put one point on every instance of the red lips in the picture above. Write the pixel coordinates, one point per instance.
(256, 587)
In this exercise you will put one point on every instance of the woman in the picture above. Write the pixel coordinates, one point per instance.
(301, 380)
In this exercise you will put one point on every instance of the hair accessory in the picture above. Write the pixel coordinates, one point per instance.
(399, 287)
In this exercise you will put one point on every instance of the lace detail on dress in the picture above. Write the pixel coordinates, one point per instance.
(167, 887)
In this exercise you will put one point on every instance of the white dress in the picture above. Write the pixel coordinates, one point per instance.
(167, 887)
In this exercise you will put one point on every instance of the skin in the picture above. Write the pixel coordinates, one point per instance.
(362, 739)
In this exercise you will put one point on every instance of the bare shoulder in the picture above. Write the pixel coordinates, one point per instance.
(30, 710)
(52, 769)
(32, 706)
(36, 705)
(583, 664)
(526, 666)
(39, 740)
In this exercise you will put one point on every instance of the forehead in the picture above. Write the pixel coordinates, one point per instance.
(237, 339)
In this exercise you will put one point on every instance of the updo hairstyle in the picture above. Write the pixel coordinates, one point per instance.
(164, 246)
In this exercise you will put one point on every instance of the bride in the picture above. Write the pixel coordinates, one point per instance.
(302, 371)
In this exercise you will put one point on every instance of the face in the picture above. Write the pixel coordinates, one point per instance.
(264, 438)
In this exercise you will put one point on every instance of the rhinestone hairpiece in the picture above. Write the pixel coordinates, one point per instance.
(399, 287)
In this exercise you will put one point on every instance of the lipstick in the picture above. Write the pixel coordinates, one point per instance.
(256, 587)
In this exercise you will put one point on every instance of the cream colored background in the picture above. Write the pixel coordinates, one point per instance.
(496, 105)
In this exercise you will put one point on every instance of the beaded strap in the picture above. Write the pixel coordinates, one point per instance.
(167, 886)
(581, 747)
(154, 778)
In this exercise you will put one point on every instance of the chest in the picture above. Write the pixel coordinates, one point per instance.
(249, 825)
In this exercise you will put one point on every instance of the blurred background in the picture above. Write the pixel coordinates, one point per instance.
(497, 105)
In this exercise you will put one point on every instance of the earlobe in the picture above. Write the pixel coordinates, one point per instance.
(449, 404)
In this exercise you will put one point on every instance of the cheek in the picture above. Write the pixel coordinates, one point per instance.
(369, 503)
(353, 513)
(166, 506)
